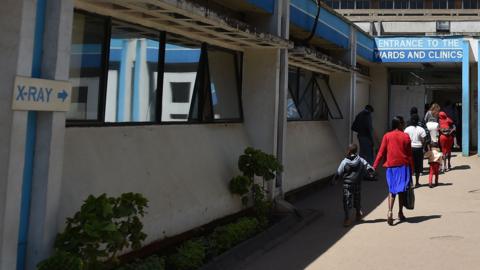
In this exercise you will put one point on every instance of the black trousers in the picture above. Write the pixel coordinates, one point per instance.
(351, 197)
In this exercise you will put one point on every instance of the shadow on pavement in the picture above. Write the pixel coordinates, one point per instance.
(461, 167)
(305, 246)
(419, 219)
(439, 185)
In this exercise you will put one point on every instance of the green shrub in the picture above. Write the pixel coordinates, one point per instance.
(230, 235)
(102, 228)
(189, 256)
(253, 163)
(62, 261)
(151, 263)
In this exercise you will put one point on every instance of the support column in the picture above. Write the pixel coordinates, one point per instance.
(478, 101)
(48, 161)
(283, 10)
(353, 79)
(17, 21)
(466, 98)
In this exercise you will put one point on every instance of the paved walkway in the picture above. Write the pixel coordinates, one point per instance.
(443, 232)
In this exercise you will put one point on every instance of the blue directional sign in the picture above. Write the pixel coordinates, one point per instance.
(31, 94)
(418, 49)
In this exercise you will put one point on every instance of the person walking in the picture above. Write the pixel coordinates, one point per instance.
(417, 135)
(352, 170)
(363, 126)
(435, 157)
(432, 114)
(396, 149)
(447, 129)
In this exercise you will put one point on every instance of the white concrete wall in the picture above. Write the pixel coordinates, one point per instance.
(340, 84)
(379, 99)
(183, 170)
(408, 27)
(313, 153)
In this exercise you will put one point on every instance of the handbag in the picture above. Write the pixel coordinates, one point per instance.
(410, 198)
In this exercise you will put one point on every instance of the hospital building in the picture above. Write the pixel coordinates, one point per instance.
(166, 95)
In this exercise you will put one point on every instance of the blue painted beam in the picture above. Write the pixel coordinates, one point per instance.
(265, 5)
(466, 99)
(330, 27)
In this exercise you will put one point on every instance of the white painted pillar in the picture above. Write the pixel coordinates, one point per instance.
(17, 21)
(48, 161)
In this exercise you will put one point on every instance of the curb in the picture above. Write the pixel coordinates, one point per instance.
(238, 256)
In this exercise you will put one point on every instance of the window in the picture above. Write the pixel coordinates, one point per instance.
(124, 73)
(401, 4)
(180, 92)
(132, 74)
(348, 4)
(443, 4)
(416, 4)
(86, 61)
(224, 70)
(470, 4)
(310, 97)
(182, 62)
(386, 4)
(362, 4)
(335, 4)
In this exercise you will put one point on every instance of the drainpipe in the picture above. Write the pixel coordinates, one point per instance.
(30, 140)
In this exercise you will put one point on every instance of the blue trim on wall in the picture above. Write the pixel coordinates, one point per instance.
(365, 46)
(136, 83)
(466, 99)
(330, 27)
(265, 5)
(30, 140)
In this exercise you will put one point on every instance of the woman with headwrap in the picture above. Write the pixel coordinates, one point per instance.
(447, 129)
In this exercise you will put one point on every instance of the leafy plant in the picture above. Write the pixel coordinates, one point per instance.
(151, 263)
(191, 255)
(255, 163)
(102, 228)
(225, 237)
(62, 261)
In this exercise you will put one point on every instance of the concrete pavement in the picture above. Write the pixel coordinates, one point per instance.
(443, 232)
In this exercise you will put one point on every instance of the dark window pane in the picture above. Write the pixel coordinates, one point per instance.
(183, 117)
(132, 74)
(182, 57)
(180, 92)
(362, 4)
(442, 4)
(292, 111)
(305, 99)
(336, 4)
(348, 4)
(224, 85)
(88, 41)
(386, 4)
(401, 4)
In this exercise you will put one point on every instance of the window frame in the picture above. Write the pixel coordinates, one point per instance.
(162, 39)
(312, 83)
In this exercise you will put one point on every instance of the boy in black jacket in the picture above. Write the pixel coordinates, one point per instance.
(352, 170)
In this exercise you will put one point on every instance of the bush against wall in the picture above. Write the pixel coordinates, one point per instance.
(255, 163)
(97, 233)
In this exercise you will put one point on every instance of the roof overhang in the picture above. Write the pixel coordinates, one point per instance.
(185, 18)
(315, 61)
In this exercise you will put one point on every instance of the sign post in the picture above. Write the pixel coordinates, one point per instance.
(30, 94)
